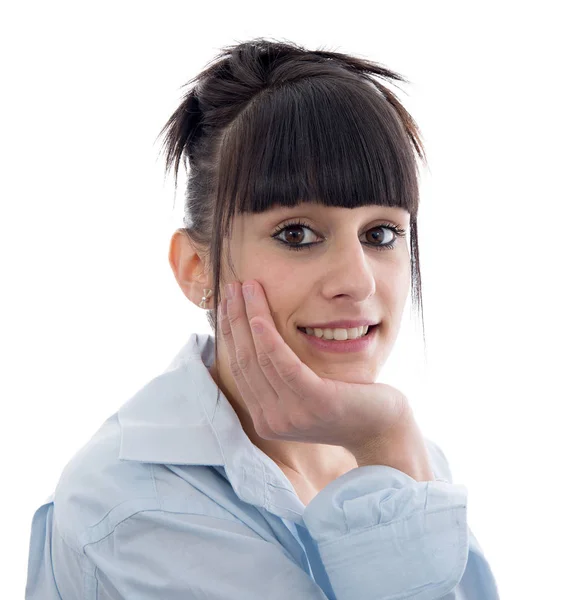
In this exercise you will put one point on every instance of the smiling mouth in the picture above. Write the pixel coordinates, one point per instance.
(371, 328)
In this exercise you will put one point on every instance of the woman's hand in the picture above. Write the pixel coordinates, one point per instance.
(286, 399)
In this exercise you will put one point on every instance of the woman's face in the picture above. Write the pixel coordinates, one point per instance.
(343, 276)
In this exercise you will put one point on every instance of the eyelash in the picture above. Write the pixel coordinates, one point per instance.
(389, 246)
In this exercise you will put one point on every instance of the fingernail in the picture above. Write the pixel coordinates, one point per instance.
(229, 289)
(257, 328)
(248, 291)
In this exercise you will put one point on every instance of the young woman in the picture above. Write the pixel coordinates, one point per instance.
(265, 462)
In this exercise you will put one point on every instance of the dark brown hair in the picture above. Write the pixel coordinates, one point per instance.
(270, 123)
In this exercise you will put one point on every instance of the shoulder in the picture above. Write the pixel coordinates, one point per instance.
(97, 490)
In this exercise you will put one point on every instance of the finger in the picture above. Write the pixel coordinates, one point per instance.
(246, 392)
(251, 381)
(256, 305)
(282, 367)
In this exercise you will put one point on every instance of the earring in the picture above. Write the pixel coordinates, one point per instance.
(207, 294)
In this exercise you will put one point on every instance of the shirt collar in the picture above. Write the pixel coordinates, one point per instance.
(174, 419)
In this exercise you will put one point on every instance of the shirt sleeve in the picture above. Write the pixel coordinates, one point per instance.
(381, 534)
(40, 582)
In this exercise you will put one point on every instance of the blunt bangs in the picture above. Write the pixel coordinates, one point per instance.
(318, 140)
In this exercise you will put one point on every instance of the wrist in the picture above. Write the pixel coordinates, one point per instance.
(403, 449)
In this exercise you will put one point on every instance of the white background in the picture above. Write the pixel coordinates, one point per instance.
(90, 310)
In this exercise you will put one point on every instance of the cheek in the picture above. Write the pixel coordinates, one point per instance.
(284, 296)
(284, 292)
(392, 289)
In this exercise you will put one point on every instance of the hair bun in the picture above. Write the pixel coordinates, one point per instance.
(185, 128)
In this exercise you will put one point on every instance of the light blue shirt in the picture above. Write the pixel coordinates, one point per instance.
(170, 500)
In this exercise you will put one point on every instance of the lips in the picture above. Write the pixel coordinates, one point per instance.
(370, 328)
(356, 345)
(343, 324)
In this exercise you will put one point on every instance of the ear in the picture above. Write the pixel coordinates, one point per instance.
(190, 266)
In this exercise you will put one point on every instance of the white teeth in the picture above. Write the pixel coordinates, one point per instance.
(338, 333)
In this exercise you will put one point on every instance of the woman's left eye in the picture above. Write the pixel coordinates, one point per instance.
(295, 237)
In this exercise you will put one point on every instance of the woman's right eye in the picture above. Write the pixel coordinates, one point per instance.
(295, 234)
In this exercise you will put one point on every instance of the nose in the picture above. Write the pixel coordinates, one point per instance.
(349, 271)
